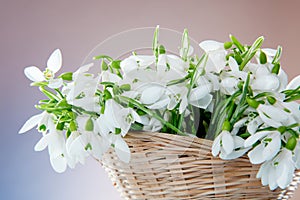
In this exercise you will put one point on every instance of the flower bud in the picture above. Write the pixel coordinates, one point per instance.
(291, 143)
(226, 126)
(68, 76)
(252, 102)
(60, 126)
(104, 66)
(125, 87)
(227, 45)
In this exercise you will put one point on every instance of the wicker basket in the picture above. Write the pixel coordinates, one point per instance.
(165, 166)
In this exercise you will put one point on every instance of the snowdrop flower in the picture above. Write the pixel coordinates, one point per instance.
(277, 172)
(55, 142)
(116, 116)
(200, 96)
(254, 124)
(136, 62)
(228, 144)
(230, 79)
(272, 115)
(224, 142)
(151, 124)
(75, 149)
(81, 92)
(270, 144)
(216, 55)
(121, 148)
(54, 64)
(38, 120)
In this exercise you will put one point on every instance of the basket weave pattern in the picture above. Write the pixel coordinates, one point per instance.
(165, 166)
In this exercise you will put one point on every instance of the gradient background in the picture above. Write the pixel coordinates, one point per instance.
(31, 29)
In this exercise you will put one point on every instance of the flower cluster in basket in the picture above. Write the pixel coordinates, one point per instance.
(235, 94)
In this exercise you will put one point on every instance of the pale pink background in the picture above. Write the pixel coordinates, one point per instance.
(31, 29)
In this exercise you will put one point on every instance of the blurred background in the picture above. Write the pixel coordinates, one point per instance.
(31, 29)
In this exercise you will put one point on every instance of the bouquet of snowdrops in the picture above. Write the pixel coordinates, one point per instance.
(235, 94)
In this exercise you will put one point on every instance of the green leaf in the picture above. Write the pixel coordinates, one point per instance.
(155, 40)
(185, 44)
(277, 55)
(39, 84)
(237, 43)
(102, 56)
(252, 51)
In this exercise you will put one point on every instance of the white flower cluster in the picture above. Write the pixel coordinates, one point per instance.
(239, 93)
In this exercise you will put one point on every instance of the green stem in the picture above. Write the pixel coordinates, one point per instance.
(127, 100)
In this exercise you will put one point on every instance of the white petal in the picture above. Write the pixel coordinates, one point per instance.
(122, 150)
(238, 141)
(42, 143)
(233, 64)
(266, 83)
(54, 62)
(160, 104)
(128, 64)
(216, 147)
(31, 122)
(204, 102)
(173, 102)
(34, 74)
(253, 125)
(211, 45)
(273, 147)
(233, 155)
(263, 173)
(255, 137)
(151, 94)
(271, 115)
(272, 179)
(82, 70)
(227, 142)
(199, 92)
(256, 156)
(295, 83)
(183, 105)
(55, 83)
(109, 77)
(59, 163)
(145, 60)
